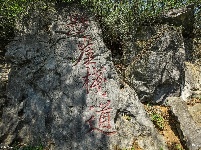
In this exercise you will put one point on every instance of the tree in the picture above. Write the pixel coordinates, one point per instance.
(117, 16)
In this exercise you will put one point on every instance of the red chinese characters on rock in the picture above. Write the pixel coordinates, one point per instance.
(87, 55)
(103, 111)
(97, 75)
(94, 78)
(86, 50)
(77, 24)
(98, 80)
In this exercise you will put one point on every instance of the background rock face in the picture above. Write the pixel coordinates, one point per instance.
(192, 85)
(64, 91)
(156, 71)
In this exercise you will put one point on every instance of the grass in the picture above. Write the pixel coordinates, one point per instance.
(156, 117)
(158, 120)
(178, 147)
(126, 117)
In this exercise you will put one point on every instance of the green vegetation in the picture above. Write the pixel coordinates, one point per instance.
(158, 120)
(127, 117)
(178, 147)
(156, 117)
(11, 12)
(124, 14)
(118, 15)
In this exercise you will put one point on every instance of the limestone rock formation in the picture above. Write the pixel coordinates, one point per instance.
(156, 71)
(154, 58)
(63, 90)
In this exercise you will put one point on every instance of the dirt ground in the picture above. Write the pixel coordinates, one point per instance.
(165, 124)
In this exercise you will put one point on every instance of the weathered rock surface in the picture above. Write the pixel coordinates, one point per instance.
(63, 90)
(192, 81)
(195, 112)
(4, 71)
(154, 57)
(156, 71)
(189, 131)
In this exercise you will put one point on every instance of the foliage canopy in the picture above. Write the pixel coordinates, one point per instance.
(119, 16)
(111, 10)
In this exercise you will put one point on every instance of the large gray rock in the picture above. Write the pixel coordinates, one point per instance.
(63, 90)
(189, 131)
(156, 70)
